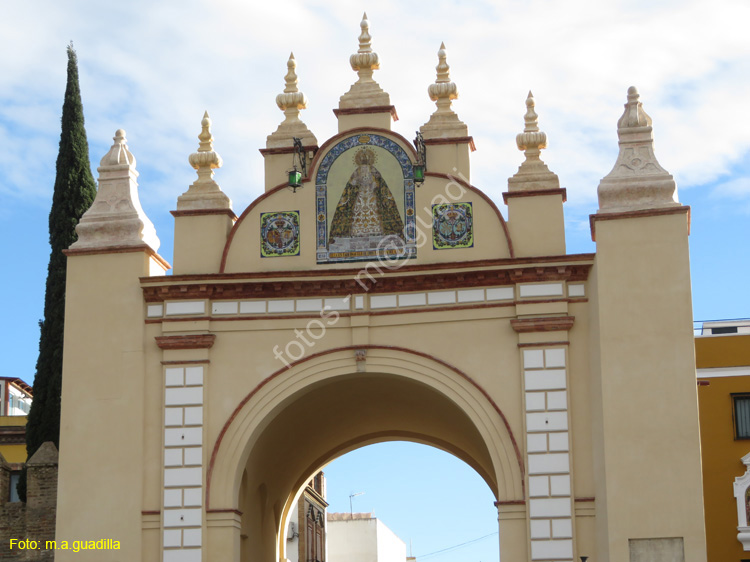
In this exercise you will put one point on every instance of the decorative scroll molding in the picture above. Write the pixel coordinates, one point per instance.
(547, 324)
(203, 341)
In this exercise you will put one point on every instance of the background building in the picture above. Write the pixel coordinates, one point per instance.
(722, 353)
(306, 526)
(362, 537)
(15, 400)
(15, 397)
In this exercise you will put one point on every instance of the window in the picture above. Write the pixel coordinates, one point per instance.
(14, 478)
(741, 416)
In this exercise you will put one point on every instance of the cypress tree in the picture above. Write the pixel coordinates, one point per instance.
(74, 193)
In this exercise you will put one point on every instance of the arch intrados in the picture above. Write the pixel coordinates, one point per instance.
(244, 426)
(365, 441)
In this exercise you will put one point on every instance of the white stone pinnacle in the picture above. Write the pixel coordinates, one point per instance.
(116, 218)
(637, 181)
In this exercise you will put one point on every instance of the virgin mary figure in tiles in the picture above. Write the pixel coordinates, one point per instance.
(367, 208)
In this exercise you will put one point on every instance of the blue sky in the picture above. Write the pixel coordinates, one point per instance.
(153, 68)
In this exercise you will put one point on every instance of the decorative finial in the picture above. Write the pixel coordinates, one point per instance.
(291, 75)
(443, 90)
(443, 122)
(532, 140)
(204, 193)
(365, 92)
(637, 181)
(364, 37)
(291, 100)
(118, 154)
(205, 160)
(531, 118)
(365, 60)
(533, 174)
(116, 217)
(443, 70)
(634, 115)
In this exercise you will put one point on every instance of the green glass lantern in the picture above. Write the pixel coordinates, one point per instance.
(421, 166)
(295, 177)
(418, 172)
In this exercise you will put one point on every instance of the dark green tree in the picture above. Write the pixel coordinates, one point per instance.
(74, 192)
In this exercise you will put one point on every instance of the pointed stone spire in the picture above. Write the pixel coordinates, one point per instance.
(116, 218)
(365, 92)
(291, 101)
(533, 174)
(444, 122)
(204, 193)
(637, 181)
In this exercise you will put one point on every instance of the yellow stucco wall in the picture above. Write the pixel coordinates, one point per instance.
(13, 453)
(721, 452)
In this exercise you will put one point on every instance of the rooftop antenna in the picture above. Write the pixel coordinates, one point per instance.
(351, 508)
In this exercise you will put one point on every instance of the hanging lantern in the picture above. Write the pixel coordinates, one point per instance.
(298, 158)
(421, 166)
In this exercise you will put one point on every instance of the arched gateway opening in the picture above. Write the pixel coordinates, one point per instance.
(302, 418)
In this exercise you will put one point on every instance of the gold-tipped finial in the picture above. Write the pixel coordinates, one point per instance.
(365, 60)
(443, 70)
(532, 140)
(533, 174)
(204, 193)
(206, 159)
(443, 90)
(291, 100)
(365, 92)
(364, 37)
(443, 122)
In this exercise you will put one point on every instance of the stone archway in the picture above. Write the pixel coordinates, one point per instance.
(301, 419)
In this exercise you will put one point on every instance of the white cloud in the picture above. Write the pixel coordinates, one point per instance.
(153, 69)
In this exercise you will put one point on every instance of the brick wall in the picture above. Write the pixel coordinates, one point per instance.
(35, 519)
